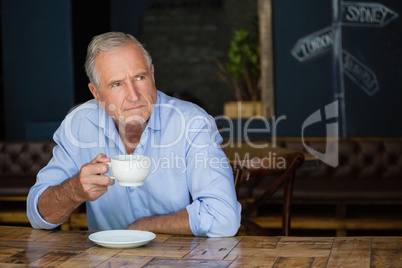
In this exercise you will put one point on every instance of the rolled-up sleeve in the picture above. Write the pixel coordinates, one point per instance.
(60, 168)
(215, 211)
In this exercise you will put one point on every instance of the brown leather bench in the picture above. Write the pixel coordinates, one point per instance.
(369, 174)
(20, 161)
(19, 164)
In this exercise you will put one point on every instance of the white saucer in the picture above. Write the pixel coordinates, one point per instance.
(122, 238)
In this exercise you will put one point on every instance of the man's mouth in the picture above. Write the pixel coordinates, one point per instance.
(135, 107)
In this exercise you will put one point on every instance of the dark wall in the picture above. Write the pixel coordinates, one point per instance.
(93, 17)
(185, 37)
(380, 49)
(44, 47)
(88, 18)
(302, 87)
(37, 65)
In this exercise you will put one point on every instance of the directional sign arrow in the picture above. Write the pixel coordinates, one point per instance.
(366, 14)
(360, 74)
(313, 44)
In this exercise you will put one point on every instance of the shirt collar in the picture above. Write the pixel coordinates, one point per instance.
(154, 121)
(100, 118)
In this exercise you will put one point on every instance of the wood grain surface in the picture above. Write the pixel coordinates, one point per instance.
(24, 246)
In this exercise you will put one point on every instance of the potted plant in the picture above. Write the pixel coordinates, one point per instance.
(242, 75)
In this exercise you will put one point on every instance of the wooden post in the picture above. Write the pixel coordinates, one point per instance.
(267, 65)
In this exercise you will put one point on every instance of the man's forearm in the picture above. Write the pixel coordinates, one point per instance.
(56, 203)
(176, 223)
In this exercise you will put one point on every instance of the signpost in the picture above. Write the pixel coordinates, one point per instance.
(355, 14)
(366, 14)
(314, 44)
(360, 74)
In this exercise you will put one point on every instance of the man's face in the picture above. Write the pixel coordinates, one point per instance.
(127, 89)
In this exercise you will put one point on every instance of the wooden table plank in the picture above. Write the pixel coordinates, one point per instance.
(209, 253)
(26, 234)
(191, 240)
(300, 262)
(320, 262)
(387, 252)
(386, 258)
(25, 257)
(161, 238)
(306, 242)
(258, 242)
(119, 261)
(261, 261)
(159, 250)
(91, 257)
(164, 246)
(277, 252)
(6, 230)
(8, 252)
(350, 252)
(187, 263)
(53, 259)
(43, 246)
(213, 248)
(64, 237)
(387, 243)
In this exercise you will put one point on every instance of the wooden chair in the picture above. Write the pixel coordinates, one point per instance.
(240, 176)
(285, 177)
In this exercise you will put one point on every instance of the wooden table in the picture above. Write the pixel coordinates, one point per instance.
(23, 246)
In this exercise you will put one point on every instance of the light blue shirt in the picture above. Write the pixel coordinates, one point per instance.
(189, 169)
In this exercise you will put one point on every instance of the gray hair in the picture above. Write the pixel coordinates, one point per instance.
(108, 42)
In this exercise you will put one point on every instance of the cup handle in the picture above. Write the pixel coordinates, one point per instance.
(110, 165)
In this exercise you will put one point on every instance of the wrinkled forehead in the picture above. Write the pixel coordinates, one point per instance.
(129, 56)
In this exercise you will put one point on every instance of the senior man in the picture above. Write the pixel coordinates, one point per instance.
(190, 187)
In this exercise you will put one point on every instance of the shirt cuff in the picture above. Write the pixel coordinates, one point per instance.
(200, 222)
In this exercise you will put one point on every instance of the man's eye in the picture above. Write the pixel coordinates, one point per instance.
(116, 84)
(140, 77)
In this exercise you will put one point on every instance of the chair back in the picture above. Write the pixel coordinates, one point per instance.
(240, 176)
(285, 167)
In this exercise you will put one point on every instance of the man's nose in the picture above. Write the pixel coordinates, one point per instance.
(132, 93)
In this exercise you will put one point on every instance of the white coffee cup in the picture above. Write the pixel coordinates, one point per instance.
(130, 170)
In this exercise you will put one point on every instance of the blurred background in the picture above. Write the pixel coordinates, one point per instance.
(205, 51)
(43, 47)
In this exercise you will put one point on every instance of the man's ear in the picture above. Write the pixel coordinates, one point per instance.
(96, 94)
(153, 75)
